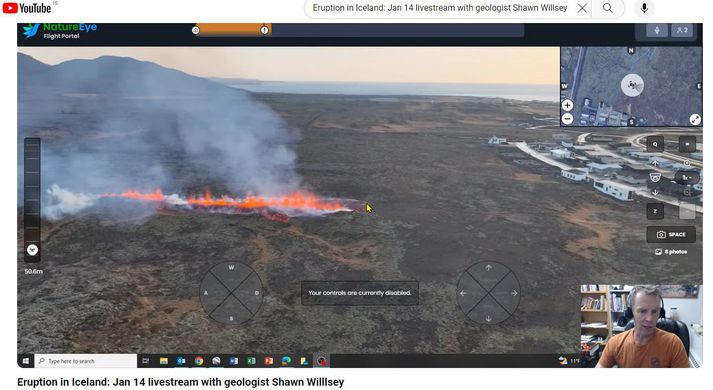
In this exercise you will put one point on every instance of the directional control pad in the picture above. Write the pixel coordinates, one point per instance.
(231, 293)
(488, 292)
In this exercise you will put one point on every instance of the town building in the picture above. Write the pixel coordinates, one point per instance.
(575, 174)
(615, 190)
(497, 141)
(560, 153)
(603, 168)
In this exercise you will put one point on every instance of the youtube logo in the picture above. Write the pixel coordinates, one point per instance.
(34, 8)
(9, 8)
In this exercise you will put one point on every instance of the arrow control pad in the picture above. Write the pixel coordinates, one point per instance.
(488, 292)
(231, 293)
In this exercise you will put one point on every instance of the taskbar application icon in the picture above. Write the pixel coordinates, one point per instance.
(286, 361)
(209, 360)
(198, 361)
(180, 361)
(320, 359)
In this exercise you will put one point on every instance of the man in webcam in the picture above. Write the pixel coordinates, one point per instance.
(644, 345)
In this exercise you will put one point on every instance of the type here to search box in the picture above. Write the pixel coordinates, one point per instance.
(86, 360)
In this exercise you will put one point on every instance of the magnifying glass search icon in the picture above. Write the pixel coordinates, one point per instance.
(42, 360)
(607, 7)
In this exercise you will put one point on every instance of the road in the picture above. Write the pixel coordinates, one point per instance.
(580, 63)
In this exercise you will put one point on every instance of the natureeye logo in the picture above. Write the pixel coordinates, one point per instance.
(30, 30)
(59, 30)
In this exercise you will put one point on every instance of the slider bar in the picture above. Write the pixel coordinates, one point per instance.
(32, 204)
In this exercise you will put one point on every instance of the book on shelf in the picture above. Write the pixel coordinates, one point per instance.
(592, 338)
(591, 342)
(592, 303)
(594, 325)
(590, 287)
(618, 302)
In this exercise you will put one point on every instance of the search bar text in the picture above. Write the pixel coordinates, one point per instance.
(459, 9)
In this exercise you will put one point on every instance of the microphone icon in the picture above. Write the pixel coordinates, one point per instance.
(643, 8)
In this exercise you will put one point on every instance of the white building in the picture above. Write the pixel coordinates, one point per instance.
(584, 147)
(603, 168)
(575, 174)
(560, 153)
(615, 190)
(497, 141)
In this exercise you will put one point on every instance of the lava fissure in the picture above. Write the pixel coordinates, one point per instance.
(277, 208)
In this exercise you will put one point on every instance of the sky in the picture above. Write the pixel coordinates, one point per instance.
(496, 65)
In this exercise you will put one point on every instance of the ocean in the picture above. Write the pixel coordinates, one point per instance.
(542, 92)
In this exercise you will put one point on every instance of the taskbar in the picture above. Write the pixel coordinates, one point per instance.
(298, 360)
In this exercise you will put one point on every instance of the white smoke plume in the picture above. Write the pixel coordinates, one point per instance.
(112, 124)
(63, 202)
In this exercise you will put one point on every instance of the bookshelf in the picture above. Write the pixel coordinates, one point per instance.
(596, 325)
(601, 308)
(617, 296)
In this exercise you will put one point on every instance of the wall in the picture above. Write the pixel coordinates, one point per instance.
(690, 312)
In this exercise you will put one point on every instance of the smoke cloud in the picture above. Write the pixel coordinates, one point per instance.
(112, 124)
(64, 202)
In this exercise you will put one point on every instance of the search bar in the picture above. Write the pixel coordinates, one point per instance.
(89, 360)
(468, 9)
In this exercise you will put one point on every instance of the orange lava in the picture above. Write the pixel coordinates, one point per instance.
(157, 195)
(296, 200)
